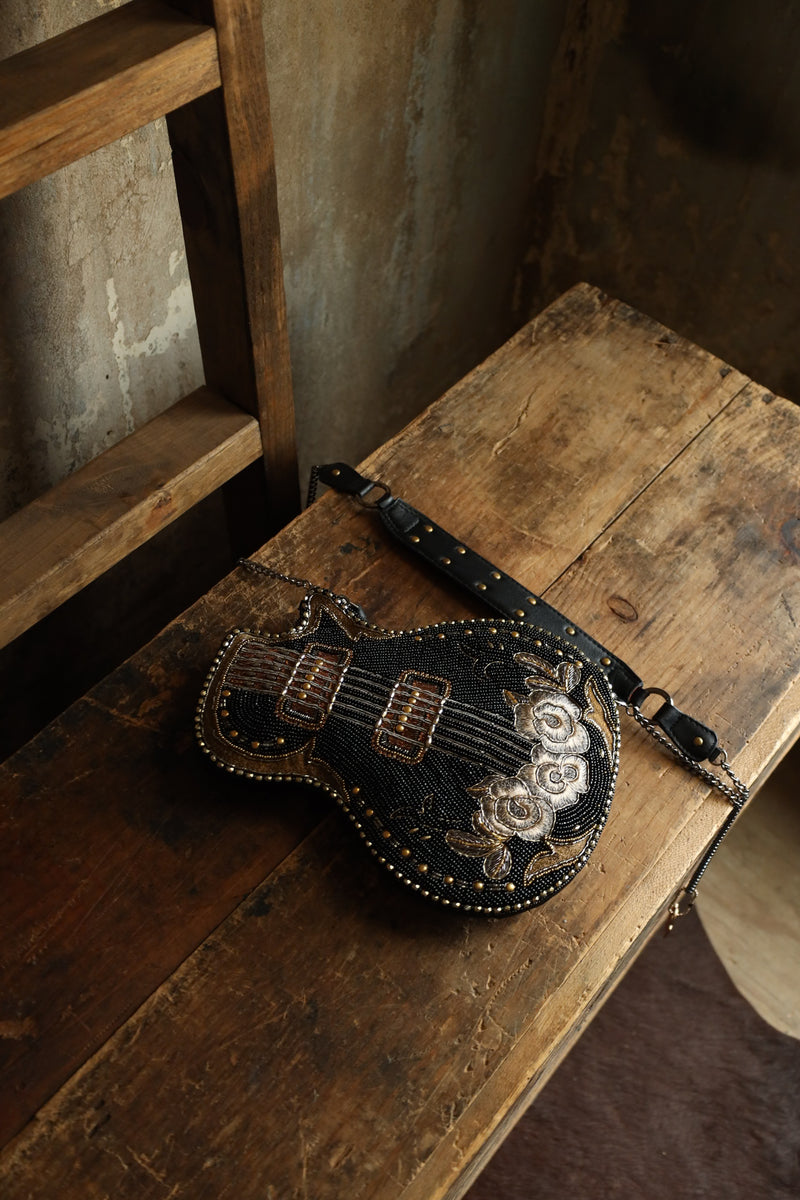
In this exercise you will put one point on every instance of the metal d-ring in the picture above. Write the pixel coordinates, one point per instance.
(642, 694)
(373, 483)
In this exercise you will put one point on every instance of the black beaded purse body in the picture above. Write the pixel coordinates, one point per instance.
(476, 759)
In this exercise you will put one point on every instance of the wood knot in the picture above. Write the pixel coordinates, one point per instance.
(623, 609)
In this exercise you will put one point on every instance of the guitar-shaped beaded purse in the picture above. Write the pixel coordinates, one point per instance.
(476, 759)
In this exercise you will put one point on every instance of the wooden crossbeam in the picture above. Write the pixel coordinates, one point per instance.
(85, 88)
(81, 527)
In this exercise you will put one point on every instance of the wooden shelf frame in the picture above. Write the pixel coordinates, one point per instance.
(200, 63)
(119, 500)
(90, 86)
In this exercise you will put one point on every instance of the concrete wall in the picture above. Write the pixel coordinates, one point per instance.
(406, 135)
(669, 173)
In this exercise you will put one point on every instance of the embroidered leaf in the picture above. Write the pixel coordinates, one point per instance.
(564, 677)
(498, 863)
(542, 668)
(539, 683)
(481, 825)
(512, 699)
(469, 843)
(596, 714)
(483, 786)
(534, 868)
(569, 674)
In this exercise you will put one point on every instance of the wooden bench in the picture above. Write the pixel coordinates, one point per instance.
(209, 988)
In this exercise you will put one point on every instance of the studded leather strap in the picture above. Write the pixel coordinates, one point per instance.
(510, 599)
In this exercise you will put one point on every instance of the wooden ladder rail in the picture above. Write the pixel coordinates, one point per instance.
(200, 62)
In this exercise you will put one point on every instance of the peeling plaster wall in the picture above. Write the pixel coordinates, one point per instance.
(670, 173)
(406, 136)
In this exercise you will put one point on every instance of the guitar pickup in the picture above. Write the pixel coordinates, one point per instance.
(311, 690)
(406, 725)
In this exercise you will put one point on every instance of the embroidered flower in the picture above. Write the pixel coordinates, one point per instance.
(509, 806)
(554, 720)
(560, 778)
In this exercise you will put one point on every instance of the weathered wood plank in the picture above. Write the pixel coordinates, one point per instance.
(79, 91)
(224, 161)
(335, 1033)
(729, 563)
(334, 544)
(70, 535)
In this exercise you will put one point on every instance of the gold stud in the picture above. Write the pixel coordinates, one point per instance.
(515, 633)
(698, 741)
(226, 692)
(478, 885)
(570, 631)
(369, 812)
(386, 833)
(234, 733)
(255, 745)
(413, 538)
(605, 660)
(406, 853)
(519, 612)
(280, 741)
(510, 887)
(460, 550)
(428, 528)
(336, 471)
(532, 600)
(481, 587)
(422, 868)
(449, 879)
(445, 561)
(223, 712)
(400, 728)
(496, 575)
(356, 790)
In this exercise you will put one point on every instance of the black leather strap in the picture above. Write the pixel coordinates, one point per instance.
(510, 599)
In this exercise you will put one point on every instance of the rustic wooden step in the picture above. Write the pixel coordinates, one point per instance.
(88, 87)
(70, 535)
(306, 1024)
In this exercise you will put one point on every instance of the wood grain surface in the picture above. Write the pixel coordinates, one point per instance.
(209, 989)
(91, 85)
(92, 519)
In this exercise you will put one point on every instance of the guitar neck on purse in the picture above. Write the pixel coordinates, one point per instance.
(476, 759)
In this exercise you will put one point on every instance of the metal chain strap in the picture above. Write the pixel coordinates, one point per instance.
(737, 794)
(258, 568)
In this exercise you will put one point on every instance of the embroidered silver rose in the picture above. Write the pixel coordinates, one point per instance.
(524, 805)
(563, 778)
(554, 720)
(516, 806)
